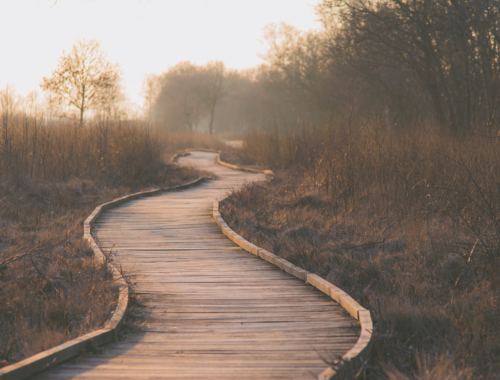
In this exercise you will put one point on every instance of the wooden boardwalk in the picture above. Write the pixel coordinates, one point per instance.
(218, 312)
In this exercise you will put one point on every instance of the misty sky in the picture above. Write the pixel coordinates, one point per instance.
(144, 36)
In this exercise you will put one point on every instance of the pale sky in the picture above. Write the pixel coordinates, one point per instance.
(144, 36)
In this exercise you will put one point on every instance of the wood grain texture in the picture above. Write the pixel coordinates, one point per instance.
(217, 311)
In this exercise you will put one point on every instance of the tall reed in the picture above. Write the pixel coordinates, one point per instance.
(100, 150)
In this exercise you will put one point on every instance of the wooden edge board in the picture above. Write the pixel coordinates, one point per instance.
(236, 167)
(48, 358)
(187, 152)
(58, 354)
(176, 156)
(361, 350)
(218, 161)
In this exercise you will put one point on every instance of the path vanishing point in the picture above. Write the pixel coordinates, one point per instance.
(216, 311)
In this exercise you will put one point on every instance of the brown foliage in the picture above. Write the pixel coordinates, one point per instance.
(52, 177)
(187, 93)
(407, 223)
(449, 49)
(84, 78)
(51, 288)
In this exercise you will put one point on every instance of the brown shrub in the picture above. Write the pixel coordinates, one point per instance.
(405, 222)
(52, 177)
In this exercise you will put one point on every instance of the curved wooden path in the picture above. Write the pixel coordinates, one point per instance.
(218, 312)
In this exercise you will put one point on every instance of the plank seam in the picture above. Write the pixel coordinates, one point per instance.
(361, 350)
(87, 342)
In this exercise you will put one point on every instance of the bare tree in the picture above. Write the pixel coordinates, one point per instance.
(450, 48)
(150, 91)
(52, 105)
(8, 107)
(179, 101)
(111, 101)
(295, 70)
(216, 84)
(82, 76)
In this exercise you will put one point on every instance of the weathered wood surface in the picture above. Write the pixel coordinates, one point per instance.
(217, 312)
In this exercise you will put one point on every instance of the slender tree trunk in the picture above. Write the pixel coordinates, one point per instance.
(212, 116)
(150, 106)
(35, 142)
(82, 108)
(5, 122)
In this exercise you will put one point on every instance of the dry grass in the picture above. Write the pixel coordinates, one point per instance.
(52, 177)
(405, 222)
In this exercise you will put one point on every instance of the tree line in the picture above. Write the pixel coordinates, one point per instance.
(397, 61)
(186, 93)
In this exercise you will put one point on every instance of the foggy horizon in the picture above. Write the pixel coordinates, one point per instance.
(143, 37)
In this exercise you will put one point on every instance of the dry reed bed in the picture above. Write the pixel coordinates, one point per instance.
(53, 175)
(405, 222)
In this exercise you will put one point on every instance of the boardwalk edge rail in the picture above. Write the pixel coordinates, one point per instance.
(361, 350)
(58, 354)
(218, 161)
(235, 167)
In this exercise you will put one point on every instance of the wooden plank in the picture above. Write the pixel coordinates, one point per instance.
(215, 311)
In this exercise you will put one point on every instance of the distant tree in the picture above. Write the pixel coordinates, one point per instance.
(52, 104)
(179, 100)
(31, 104)
(150, 91)
(449, 48)
(295, 66)
(190, 92)
(216, 84)
(82, 76)
(9, 102)
(111, 102)
(240, 111)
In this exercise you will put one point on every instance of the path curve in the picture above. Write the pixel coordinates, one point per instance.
(218, 312)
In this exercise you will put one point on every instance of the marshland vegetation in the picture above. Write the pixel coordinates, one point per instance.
(382, 129)
(53, 173)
